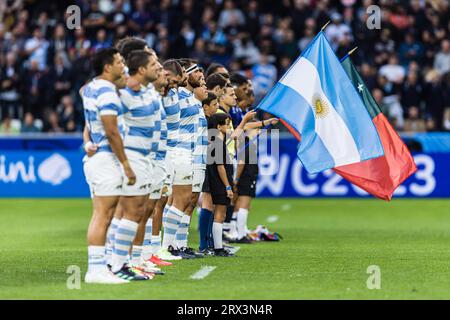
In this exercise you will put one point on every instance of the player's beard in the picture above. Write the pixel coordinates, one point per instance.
(193, 83)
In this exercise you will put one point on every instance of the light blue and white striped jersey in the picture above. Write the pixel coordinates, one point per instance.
(189, 110)
(100, 98)
(172, 108)
(201, 146)
(159, 145)
(139, 116)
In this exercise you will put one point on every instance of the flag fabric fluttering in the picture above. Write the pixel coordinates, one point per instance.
(318, 100)
(381, 176)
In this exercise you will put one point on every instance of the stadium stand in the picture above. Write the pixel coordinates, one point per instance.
(43, 63)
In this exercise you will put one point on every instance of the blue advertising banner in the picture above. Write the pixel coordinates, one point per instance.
(42, 174)
(59, 173)
(285, 177)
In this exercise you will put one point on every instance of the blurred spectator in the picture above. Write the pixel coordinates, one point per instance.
(264, 77)
(9, 86)
(245, 50)
(59, 80)
(337, 30)
(28, 125)
(230, 15)
(101, 42)
(412, 91)
(36, 48)
(34, 89)
(66, 114)
(442, 59)
(393, 71)
(435, 97)
(391, 100)
(51, 124)
(410, 50)
(7, 126)
(414, 123)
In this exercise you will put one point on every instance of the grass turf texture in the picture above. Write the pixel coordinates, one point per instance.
(327, 247)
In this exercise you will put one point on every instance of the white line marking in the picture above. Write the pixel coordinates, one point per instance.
(286, 207)
(272, 218)
(203, 272)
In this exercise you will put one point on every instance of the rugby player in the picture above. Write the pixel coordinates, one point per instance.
(108, 170)
(167, 93)
(176, 222)
(141, 117)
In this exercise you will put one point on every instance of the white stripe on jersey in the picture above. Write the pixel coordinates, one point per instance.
(158, 148)
(100, 98)
(172, 108)
(201, 146)
(189, 110)
(139, 116)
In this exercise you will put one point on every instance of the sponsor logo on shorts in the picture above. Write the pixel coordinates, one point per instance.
(156, 191)
(197, 185)
(145, 186)
(119, 187)
(187, 177)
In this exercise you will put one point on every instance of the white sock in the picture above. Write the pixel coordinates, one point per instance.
(242, 222)
(171, 221)
(110, 236)
(146, 248)
(156, 244)
(233, 225)
(136, 253)
(217, 235)
(124, 237)
(96, 258)
(182, 232)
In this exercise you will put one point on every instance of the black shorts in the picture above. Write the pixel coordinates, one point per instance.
(247, 181)
(220, 199)
(247, 186)
(205, 187)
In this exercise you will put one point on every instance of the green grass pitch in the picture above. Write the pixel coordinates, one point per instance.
(327, 248)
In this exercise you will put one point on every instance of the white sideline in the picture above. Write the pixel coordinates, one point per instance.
(203, 272)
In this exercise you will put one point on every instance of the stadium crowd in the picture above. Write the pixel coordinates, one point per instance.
(406, 63)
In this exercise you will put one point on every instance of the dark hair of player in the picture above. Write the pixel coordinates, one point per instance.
(211, 96)
(130, 44)
(137, 59)
(173, 66)
(215, 80)
(186, 62)
(238, 79)
(102, 58)
(212, 69)
(217, 119)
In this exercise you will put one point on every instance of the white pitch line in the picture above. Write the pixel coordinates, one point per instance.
(272, 219)
(203, 272)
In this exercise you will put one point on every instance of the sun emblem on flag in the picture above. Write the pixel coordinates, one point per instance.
(321, 107)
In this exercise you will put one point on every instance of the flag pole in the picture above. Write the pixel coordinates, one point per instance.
(348, 54)
(325, 25)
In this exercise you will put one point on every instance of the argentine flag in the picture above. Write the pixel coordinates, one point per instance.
(316, 97)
